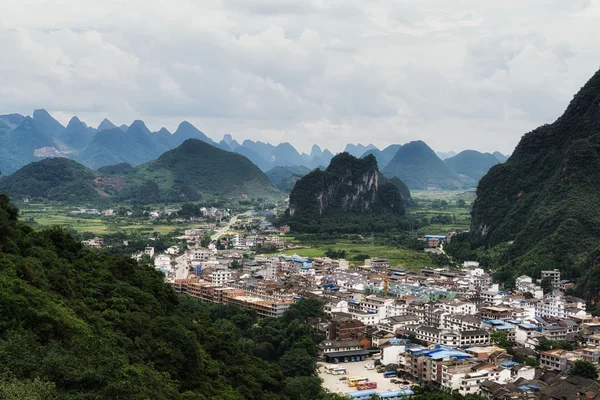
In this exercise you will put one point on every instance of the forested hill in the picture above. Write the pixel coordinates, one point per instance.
(205, 169)
(347, 197)
(79, 324)
(545, 198)
(57, 179)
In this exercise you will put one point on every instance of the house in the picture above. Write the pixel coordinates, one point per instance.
(94, 243)
(149, 251)
(557, 360)
(284, 229)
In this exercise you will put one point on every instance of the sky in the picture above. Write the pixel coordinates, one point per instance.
(461, 74)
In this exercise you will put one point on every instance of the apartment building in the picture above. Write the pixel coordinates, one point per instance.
(554, 276)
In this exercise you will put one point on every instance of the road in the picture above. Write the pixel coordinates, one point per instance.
(226, 228)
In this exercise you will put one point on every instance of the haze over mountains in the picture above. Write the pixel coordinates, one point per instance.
(26, 139)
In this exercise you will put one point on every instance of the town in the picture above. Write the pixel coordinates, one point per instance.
(388, 329)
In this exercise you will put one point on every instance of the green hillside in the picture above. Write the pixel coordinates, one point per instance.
(472, 164)
(57, 179)
(286, 177)
(204, 169)
(383, 156)
(82, 324)
(345, 197)
(417, 165)
(542, 203)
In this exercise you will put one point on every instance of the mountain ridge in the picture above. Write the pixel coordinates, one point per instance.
(540, 200)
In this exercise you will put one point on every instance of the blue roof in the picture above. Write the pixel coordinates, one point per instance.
(396, 393)
(361, 393)
(448, 353)
(399, 341)
(509, 364)
(493, 322)
(524, 388)
(505, 326)
(529, 326)
(534, 387)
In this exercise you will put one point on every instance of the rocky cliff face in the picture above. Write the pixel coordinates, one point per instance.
(349, 184)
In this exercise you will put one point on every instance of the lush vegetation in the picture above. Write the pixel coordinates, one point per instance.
(400, 249)
(585, 369)
(57, 179)
(188, 173)
(285, 178)
(539, 208)
(82, 324)
(196, 168)
(116, 169)
(346, 197)
(420, 168)
(472, 164)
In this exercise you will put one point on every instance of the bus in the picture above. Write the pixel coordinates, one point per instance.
(366, 385)
(336, 370)
(390, 374)
(354, 380)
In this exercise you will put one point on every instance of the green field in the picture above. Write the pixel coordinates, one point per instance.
(53, 215)
(406, 258)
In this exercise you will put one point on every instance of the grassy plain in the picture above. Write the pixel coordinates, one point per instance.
(398, 256)
(45, 215)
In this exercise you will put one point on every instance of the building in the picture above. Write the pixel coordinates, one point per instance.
(220, 277)
(265, 304)
(343, 327)
(554, 277)
(96, 242)
(149, 251)
(556, 360)
(336, 351)
(284, 229)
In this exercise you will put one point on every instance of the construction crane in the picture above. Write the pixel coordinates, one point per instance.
(386, 282)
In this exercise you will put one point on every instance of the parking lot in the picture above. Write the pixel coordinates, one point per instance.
(335, 385)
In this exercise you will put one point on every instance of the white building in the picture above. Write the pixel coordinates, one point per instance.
(220, 277)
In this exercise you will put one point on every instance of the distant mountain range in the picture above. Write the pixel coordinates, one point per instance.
(173, 177)
(27, 139)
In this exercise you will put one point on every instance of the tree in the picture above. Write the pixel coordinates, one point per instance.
(585, 369)
(205, 241)
(297, 362)
(461, 203)
(235, 264)
(500, 338)
(546, 285)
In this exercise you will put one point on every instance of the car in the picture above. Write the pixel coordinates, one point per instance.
(369, 367)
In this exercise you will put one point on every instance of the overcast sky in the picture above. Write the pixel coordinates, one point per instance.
(457, 74)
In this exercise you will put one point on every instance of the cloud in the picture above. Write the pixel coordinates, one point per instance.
(469, 74)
